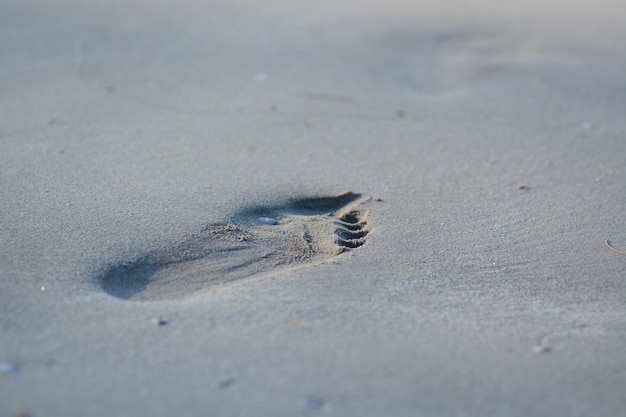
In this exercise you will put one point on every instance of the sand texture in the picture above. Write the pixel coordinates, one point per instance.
(278, 208)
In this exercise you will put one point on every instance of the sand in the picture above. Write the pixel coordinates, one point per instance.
(465, 272)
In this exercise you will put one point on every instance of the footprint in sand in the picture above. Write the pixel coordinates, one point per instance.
(258, 240)
(448, 64)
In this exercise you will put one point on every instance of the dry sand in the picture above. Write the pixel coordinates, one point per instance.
(140, 142)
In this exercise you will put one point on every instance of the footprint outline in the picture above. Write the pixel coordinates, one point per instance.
(309, 231)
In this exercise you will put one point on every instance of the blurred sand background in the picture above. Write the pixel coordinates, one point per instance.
(493, 133)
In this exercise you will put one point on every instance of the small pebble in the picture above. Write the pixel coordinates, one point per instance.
(225, 383)
(159, 321)
(542, 349)
(268, 220)
(9, 367)
(521, 187)
(311, 402)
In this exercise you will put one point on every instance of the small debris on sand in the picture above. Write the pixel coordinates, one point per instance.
(160, 321)
(268, 220)
(311, 402)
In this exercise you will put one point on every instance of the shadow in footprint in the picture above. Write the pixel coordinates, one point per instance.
(258, 240)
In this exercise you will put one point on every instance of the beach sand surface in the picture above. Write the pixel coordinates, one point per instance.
(438, 185)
